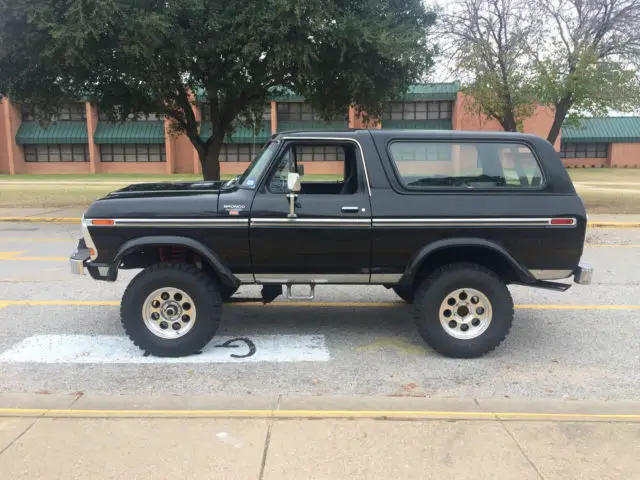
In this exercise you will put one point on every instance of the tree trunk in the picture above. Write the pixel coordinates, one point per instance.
(210, 161)
(562, 108)
(508, 122)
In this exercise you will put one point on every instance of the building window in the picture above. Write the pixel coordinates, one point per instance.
(302, 112)
(132, 153)
(133, 117)
(239, 152)
(435, 110)
(467, 166)
(584, 150)
(320, 153)
(56, 153)
(75, 112)
(205, 113)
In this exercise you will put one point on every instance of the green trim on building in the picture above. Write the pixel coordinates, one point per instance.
(419, 124)
(32, 133)
(432, 91)
(313, 125)
(240, 135)
(420, 91)
(603, 130)
(129, 133)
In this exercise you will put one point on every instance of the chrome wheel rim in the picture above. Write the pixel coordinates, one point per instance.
(465, 313)
(169, 313)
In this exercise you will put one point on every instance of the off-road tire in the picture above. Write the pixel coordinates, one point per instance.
(405, 293)
(437, 286)
(193, 281)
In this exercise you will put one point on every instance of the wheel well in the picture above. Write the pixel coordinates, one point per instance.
(145, 256)
(486, 257)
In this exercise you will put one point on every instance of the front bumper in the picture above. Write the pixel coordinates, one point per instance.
(583, 274)
(80, 264)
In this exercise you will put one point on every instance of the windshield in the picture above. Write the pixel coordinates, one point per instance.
(255, 170)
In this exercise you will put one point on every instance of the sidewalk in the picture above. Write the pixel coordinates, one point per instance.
(114, 437)
(73, 215)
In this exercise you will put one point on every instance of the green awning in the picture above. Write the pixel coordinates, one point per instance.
(240, 135)
(418, 124)
(129, 132)
(31, 133)
(432, 91)
(603, 130)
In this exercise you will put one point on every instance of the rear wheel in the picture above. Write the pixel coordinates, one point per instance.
(463, 310)
(171, 309)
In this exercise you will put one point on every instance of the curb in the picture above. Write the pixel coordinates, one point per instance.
(72, 220)
(77, 220)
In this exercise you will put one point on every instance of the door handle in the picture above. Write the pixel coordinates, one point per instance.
(350, 209)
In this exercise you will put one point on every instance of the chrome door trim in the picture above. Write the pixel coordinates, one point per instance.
(311, 222)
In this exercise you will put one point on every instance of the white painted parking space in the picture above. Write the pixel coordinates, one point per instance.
(109, 349)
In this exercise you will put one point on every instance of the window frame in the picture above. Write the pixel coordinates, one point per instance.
(36, 154)
(137, 147)
(389, 112)
(579, 147)
(404, 188)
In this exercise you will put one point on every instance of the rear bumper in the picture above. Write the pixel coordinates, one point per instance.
(583, 274)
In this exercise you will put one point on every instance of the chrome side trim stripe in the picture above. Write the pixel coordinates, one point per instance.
(304, 278)
(177, 222)
(336, 222)
(467, 222)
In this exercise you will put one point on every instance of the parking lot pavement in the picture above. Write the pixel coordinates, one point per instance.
(354, 340)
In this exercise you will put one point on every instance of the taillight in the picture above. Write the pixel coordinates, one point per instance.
(563, 221)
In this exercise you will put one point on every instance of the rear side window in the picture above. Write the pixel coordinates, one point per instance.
(469, 165)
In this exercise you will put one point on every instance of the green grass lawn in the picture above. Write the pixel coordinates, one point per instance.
(597, 187)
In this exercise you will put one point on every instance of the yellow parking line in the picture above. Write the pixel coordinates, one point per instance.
(613, 245)
(91, 303)
(35, 259)
(30, 412)
(36, 240)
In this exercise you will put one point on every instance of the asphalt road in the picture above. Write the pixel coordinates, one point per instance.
(580, 344)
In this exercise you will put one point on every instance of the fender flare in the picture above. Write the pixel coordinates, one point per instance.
(223, 272)
(524, 275)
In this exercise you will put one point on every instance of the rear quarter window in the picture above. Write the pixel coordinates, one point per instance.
(466, 165)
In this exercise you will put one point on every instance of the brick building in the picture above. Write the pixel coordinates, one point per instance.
(83, 141)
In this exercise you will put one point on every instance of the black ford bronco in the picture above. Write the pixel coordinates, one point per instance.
(447, 219)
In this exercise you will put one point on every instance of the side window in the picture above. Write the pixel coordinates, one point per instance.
(327, 168)
(465, 165)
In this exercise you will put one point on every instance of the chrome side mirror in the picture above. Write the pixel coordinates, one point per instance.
(293, 184)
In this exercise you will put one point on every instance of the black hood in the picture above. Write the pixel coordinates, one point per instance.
(167, 188)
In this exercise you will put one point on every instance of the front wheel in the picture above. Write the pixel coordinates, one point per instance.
(171, 309)
(463, 310)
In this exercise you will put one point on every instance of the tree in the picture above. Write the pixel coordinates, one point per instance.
(153, 56)
(487, 40)
(589, 63)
